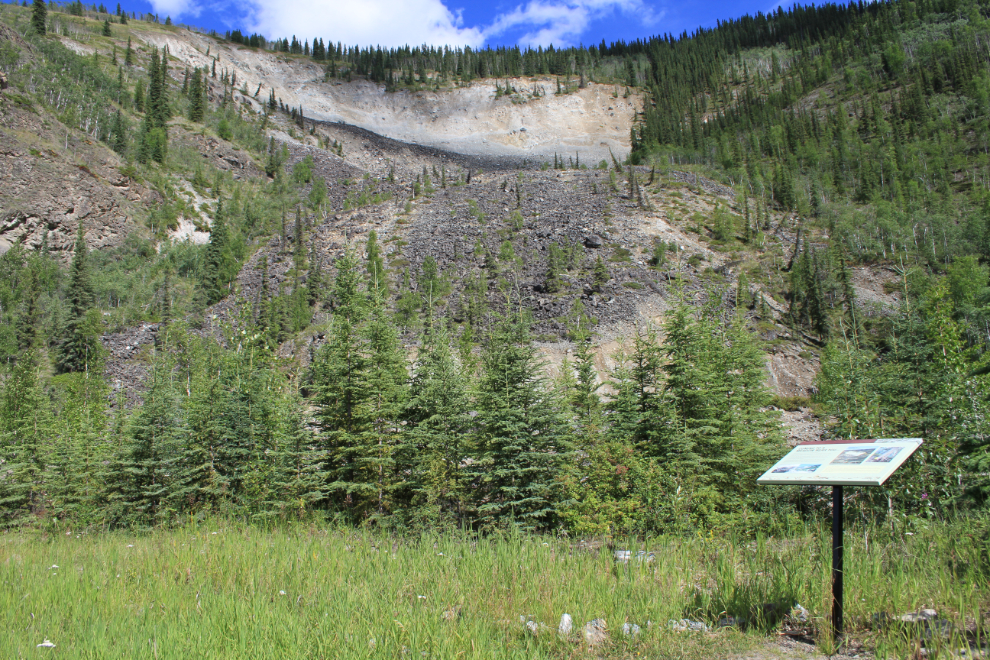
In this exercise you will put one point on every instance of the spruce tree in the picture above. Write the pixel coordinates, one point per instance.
(437, 410)
(24, 430)
(432, 286)
(154, 127)
(521, 434)
(376, 264)
(197, 96)
(199, 480)
(585, 399)
(601, 275)
(264, 304)
(316, 282)
(382, 457)
(551, 281)
(80, 347)
(338, 374)
(139, 96)
(407, 303)
(718, 414)
(153, 449)
(73, 470)
(298, 481)
(119, 134)
(39, 17)
(215, 266)
(301, 311)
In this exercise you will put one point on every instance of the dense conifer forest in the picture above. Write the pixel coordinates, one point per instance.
(863, 128)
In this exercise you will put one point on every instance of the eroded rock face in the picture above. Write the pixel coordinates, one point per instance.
(532, 122)
(49, 184)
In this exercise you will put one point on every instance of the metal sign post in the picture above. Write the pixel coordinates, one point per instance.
(837, 464)
(837, 562)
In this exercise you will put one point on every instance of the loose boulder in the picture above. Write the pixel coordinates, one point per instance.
(595, 632)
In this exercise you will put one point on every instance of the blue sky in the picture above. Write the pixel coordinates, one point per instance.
(452, 22)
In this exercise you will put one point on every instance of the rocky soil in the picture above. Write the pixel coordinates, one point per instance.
(465, 225)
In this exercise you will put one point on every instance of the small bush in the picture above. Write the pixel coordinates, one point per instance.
(224, 130)
(791, 403)
(620, 255)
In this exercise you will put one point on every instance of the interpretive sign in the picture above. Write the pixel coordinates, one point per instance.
(841, 463)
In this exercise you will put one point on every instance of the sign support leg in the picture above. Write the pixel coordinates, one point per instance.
(837, 563)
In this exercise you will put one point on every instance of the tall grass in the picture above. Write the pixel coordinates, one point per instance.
(223, 589)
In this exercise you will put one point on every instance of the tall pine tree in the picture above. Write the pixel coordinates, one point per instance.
(80, 348)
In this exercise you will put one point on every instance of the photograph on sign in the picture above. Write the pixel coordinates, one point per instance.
(848, 463)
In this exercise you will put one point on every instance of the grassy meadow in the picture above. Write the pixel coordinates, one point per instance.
(227, 590)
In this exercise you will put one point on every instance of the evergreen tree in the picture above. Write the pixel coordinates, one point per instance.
(601, 275)
(382, 455)
(80, 348)
(119, 134)
(74, 467)
(39, 17)
(153, 448)
(338, 374)
(201, 476)
(437, 410)
(551, 281)
(154, 128)
(139, 96)
(407, 303)
(376, 264)
(24, 429)
(298, 483)
(197, 96)
(585, 398)
(215, 266)
(521, 436)
(316, 282)
(718, 417)
(431, 284)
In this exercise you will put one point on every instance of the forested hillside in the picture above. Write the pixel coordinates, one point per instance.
(281, 319)
(869, 122)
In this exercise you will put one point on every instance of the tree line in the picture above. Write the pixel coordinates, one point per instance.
(371, 434)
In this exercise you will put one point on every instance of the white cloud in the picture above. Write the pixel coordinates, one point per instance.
(562, 22)
(361, 22)
(413, 22)
(175, 8)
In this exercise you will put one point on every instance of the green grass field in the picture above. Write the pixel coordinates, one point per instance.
(226, 590)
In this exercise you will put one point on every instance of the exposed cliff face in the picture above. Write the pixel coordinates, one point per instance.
(470, 119)
(52, 179)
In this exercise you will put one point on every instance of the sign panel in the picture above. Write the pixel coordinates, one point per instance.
(841, 462)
